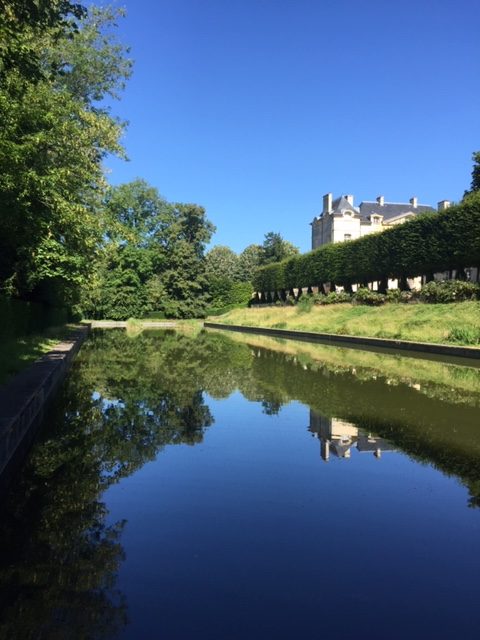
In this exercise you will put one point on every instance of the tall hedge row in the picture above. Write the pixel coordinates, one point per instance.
(427, 244)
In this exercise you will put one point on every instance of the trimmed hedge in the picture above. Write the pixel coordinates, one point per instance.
(427, 244)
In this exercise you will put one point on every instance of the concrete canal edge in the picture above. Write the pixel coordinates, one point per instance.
(23, 399)
(123, 324)
(381, 344)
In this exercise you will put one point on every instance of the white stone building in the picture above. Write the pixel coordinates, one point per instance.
(340, 220)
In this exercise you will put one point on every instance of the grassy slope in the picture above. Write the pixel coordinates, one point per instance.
(417, 322)
(18, 353)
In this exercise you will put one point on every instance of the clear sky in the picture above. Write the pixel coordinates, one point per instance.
(256, 108)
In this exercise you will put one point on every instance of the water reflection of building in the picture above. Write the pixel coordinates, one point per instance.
(338, 437)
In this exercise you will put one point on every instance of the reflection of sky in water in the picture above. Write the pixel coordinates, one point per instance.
(254, 536)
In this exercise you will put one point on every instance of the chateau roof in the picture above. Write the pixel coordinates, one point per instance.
(342, 204)
(393, 209)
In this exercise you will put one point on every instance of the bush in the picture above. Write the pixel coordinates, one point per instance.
(396, 295)
(449, 291)
(335, 298)
(305, 304)
(369, 297)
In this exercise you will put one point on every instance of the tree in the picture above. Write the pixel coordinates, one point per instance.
(54, 136)
(248, 261)
(179, 250)
(24, 23)
(222, 262)
(152, 257)
(475, 184)
(276, 249)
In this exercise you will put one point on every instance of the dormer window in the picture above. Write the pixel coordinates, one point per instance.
(348, 213)
(375, 219)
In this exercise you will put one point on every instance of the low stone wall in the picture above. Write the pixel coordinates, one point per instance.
(412, 348)
(23, 399)
(122, 324)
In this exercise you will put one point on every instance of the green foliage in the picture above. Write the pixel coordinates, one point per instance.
(19, 318)
(429, 243)
(475, 184)
(396, 295)
(276, 249)
(305, 304)
(363, 295)
(152, 257)
(248, 261)
(224, 292)
(222, 262)
(334, 297)
(53, 139)
(449, 291)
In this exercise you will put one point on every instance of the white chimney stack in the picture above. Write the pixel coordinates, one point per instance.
(414, 202)
(349, 199)
(443, 204)
(381, 200)
(327, 203)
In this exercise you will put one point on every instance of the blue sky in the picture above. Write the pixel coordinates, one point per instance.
(256, 108)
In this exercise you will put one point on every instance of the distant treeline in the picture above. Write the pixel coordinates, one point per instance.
(428, 244)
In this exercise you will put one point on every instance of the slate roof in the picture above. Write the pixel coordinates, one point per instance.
(392, 209)
(341, 203)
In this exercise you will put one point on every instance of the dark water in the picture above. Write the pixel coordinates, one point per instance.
(211, 487)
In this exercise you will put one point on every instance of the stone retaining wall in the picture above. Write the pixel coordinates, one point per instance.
(472, 353)
(23, 399)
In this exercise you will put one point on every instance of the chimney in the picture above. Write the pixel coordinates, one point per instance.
(327, 203)
(443, 204)
(381, 200)
(349, 199)
(414, 202)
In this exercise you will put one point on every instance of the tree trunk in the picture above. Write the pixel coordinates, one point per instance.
(382, 285)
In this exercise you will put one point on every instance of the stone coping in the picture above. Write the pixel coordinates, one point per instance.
(415, 349)
(23, 399)
(148, 324)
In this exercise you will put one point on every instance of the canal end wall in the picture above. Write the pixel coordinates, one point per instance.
(24, 398)
(419, 349)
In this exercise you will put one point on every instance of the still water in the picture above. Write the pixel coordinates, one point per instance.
(223, 486)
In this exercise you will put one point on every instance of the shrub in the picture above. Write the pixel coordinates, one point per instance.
(336, 298)
(369, 297)
(305, 304)
(449, 291)
(396, 295)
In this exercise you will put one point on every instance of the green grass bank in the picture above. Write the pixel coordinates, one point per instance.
(17, 352)
(453, 323)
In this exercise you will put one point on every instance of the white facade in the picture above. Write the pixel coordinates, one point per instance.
(340, 220)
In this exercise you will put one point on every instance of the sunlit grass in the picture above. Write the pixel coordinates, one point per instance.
(457, 323)
(17, 354)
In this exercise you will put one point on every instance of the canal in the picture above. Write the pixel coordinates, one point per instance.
(213, 486)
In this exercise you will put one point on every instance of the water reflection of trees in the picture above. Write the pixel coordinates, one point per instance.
(126, 399)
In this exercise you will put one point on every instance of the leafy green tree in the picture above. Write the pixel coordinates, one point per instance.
(54, 138)
(24, 24)
(222, 262)
(475, 184)
(152, 258)
(179, 250)
(276, 249)
(249, 261)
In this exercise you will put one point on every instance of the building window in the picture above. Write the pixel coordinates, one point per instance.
(347, 236)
